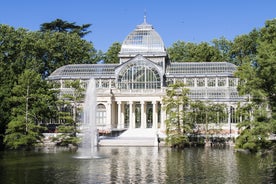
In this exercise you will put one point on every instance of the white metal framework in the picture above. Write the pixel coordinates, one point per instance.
(129, 94)
(200, 69)
(144, 39)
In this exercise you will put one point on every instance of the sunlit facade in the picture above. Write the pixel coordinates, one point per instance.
(129, 94)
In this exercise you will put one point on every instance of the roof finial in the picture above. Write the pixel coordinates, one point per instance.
(145, 16)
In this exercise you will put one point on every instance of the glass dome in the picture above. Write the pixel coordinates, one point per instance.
(144, 39)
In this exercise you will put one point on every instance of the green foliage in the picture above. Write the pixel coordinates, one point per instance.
(266, 62)
(33, 104)
(207, 113)
(253, 139)
(70, 108)
(34, 96)
(244, 48)
(42, 52)
(111, 56)
(256, 127)
(177, 140)
(184, 115)
(241, 50)
(58, 49)
(258, 79)
(191, 52)
(9, 37)
(22, 134)
(59, 25)
(223, 46)
(67, 136)
(176, 103)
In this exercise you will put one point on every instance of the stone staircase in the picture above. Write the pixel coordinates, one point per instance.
(133, 137)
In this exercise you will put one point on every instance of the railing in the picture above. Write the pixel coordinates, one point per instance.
(141, 91)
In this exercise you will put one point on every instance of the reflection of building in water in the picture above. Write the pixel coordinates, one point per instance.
(135, 164)
(129, 94)
(153, 165)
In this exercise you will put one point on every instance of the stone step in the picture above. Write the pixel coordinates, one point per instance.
(133, 137)
(140, 132)
(128, 142)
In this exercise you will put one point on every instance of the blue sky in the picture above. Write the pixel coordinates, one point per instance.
(112, 20)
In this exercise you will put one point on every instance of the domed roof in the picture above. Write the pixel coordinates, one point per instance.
(143, 39)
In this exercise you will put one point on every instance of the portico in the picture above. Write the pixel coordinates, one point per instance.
(130, 112)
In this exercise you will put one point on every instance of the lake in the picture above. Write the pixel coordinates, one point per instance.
(136, 165)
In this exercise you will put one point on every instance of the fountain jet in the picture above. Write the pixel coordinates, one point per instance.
(89, 136)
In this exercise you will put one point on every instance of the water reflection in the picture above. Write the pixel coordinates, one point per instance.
(202, 166)
(125, 165)
(137, 165)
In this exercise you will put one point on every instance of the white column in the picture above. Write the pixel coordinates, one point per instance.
(229, 118)
(123, 115)
(61, 84)
(120, 125)
(133, 115)
(130, 114)
(108, 115)
(113, 114)
(154, 115)
(109, 84)
(206, 87)
(163, 117)
(143, 115)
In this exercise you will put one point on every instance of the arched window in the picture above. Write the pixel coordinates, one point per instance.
(139, 75)
(101, 115)
(233, 115)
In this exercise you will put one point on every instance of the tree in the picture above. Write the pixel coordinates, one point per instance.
(33, 104)
(256, 126)
(244, 48)
(257, 79)
(70, 107)
(8, 36)
(176, 103)
(191, 52)
(181, 51)
(266, 63)
(205, 113)
(59, 25)
(42, 52)
(207, 53)
(223, 46)
(111, 56)
(54, 50)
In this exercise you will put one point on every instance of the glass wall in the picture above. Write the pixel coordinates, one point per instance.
(139, 76)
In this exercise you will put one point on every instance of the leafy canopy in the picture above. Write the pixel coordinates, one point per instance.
(60, 25)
